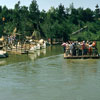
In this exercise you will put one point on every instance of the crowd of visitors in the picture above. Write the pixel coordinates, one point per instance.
(75, 48)
(11, 39)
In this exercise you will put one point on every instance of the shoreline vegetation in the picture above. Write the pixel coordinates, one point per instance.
(58, 24)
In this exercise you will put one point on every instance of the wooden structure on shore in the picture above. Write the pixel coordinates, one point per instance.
(12, 44)
(18, 49)
(24, 48)
(82, 57)
(3, 53)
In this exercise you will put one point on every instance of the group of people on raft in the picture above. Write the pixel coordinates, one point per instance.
(75, 48)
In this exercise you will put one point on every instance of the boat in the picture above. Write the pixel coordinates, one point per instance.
(34, 48)
(38, 46)
(43, 46)
(3, 53)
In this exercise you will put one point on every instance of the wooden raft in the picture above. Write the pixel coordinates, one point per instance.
(82, 57)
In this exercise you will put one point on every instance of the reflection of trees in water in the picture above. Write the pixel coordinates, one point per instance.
(54, 49)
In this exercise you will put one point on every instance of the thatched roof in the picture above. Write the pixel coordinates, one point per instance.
(36, 34)
(2, 38)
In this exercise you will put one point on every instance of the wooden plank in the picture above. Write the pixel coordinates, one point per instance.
(17, 52)
(81, 57)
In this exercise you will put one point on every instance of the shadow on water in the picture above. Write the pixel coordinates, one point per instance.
(81, 68)
(83, 62)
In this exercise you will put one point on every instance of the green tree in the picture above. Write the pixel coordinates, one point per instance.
(34, 14)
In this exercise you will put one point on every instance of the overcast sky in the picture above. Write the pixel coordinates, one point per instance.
(46, 4)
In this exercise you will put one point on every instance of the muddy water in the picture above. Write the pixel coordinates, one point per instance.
(45, 75)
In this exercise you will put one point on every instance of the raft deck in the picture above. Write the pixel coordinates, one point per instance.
(82, 57)
(17, 52)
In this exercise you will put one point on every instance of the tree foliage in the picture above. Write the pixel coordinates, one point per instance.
(59, 22)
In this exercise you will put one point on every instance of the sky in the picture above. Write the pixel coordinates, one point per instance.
(46, 4)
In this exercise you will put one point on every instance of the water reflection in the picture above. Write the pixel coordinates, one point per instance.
(50, 77)
(43, 51)
(81, 69)
(2, 62)
(82, 61)
(36, 54)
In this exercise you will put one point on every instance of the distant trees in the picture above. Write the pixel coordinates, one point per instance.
(97, 12)
(58, 23)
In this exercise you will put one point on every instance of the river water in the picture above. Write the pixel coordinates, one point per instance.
(46, 75)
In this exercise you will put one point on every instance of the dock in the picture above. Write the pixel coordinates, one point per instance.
(17, 51)
(82, 57)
